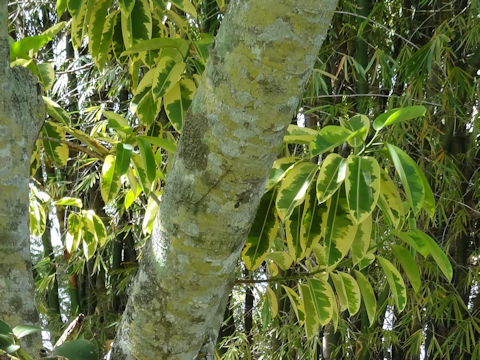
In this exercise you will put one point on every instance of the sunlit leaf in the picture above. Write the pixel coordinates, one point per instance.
(368, 296)
(110, 183)
(408, 264)
(312, 322)
(395, 281)
(282, 259)
(389, 200)
(56, 149)
(322, 300)
(279, 170)
(177, 101)
(328, 138)
(361, 241)
(299, 135)
(331, 175)
(396, 115)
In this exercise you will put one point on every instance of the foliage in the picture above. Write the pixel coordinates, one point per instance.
(375, 191)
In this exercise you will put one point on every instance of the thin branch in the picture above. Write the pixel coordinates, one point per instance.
(74, 146)
(372, 95)
(83, 67)
(378, 24)
(276, 279)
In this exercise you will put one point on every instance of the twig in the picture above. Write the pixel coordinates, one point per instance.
(73, 146)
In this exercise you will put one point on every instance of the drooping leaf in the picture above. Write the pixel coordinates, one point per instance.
(177, 101)
(361, 241)
(141, 171)
(292, 233)
(282, 259)
(56, 111)
(56, 150)
(185, 5)
(279, 170)
(110, 182)
(311, 229)
(356, 124)
(166, 74)
(436, 251)
(262, 233)
(352, 292)
(362, 185)
(157, 141)
(409, 175)
(395, 281)
(322, 299)
(331, 175)
(122, 160)
(180, 45)
(77, 350)
(38, 218)
(148, 158)
(328, 138)
(74, 233)
(297, 305)
(149, 218)
(408, 264)
(293, 188)
(429, 200)
(21, 48)
(21, 331)
(340, 290)
(46, 75)
(299, 135)
(118, 122)
(338, 229)
(69, 201)
(368, 296)
(312, 322)
(96, 26)
(389, 200)
(272, 299)
(415, 240)
(141, 20)
(126, 6)
(398, 114)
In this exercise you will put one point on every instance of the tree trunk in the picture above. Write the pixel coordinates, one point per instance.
(21, 116)
(261, 60)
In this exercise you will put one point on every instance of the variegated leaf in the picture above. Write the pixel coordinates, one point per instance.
(389, 200)
(311, 229)
(362, 185)
(323, 300)
(166, 74)
(297, 305)
(312, 322)
(395, 281)
(110, 183)
(331, 175)
(327, 138)
(177, 101)
(368, 296)
(361, 241)
(299, 135)
(262, 233)
(56, 150)
(279, 170)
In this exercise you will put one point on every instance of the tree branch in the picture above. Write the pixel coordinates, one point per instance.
(73, 146)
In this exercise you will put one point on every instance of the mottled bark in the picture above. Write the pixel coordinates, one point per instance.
(21, 117)
(261, 60)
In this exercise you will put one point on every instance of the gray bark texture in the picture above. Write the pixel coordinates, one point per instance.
(259, 64)
(21, 116)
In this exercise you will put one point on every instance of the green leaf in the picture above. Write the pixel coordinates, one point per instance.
(148, 158)
(311, 229)
(297, 305)
(100, 233)
(21, 48)
(96, 26)
(185, 5)
(177, 101)
(74, 6)
(395, 280)
(272, 299)
(293, 188)
(122, 160)
(408, 264)
(89, 233)
(77, 350)
(149, 218)
(80, 14)
(157, 141)
(56, 150)
(299, 135)
(436, 251)
(69, 201)
(74, 232)
(322, 300)
(262, 233)
(178, 44)
(118, 122)
(359, 124)
(340, 289)
(327, 138)
(61, 7)
(415, 240)
(106, 40)
(5, 329)
(398, 114)
(56, 111)
(331, 176)
(141, 20)
(368, 296)
(429, 200)
(126, 6)
(282, 259)
(389, 200)
(46, 75)
(202, 46)
(361, 241)
(110, 183)
(279, 170)
(362, 184)
(352, 292)
(38, 218)
(292, 233)
(166, 74)
(312, 322)
(409, 175)
(21, 331)
(140, 168)
(338, 229)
